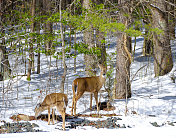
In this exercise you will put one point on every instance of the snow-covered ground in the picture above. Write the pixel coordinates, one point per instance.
(153, 100)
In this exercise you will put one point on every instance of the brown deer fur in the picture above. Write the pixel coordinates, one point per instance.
(87, 84)
(54, 100)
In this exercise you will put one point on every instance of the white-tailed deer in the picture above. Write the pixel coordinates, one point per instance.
(87, 84)
(53, 100)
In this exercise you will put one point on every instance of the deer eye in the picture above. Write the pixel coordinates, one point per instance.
(38, 105)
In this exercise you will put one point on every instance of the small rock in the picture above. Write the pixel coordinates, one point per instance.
(171, 123)
(34, 125)
(155, 124)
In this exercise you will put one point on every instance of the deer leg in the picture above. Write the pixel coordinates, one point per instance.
(76, 99)
(91, 101)
(73, 101)
(48, 115)
(75, 106)
(62, 112)
(53, 116)
(96, 99)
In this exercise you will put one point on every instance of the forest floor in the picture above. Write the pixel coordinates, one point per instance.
(150, 112)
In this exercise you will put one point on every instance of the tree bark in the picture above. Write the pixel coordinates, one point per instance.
(171, 12)
(122, 79)
(90, 62)
(31, 53)
(163, 62)
(33, 6)
(100, 43)
(123, 61)
(5, 70)
(89, 40)
(47, 26)
(63, 51)
(148, 45)
(38, 6)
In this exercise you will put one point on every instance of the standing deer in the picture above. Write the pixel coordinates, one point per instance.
(53, 100)
(87, 84)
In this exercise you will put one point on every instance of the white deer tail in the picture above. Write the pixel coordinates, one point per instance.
(64, 102)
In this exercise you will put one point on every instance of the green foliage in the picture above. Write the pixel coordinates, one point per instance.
(83, 48)
(157, 31)
(28, 79)
(132, 32)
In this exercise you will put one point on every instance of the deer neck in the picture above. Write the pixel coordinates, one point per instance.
(44, 107)
(102, 78)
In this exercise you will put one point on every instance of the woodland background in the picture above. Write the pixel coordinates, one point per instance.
(63, 29)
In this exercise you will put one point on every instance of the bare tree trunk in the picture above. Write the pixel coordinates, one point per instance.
(122, 79)
(38, 6)
(100, 42)
(163, 62)
(63, 50)
(75, 52)
(47, 26)
(33, 30)
(31, 53)
(30, 62)
(5, 70)
(171, 12)
(123, 61)
(89, 40)
(148, 45)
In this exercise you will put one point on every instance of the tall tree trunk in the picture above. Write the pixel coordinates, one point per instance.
(31, 53)
(38, 7)
(171, 12)
(75, 52)
(63, 50)
(5, 70)
(47, 26)
(33, 7)
(30, 62)
(100, 43)
(122, 79)
(147, 45)
(163, 62)
(89, 40)
(123, 61)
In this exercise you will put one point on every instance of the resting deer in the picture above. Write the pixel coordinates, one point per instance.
(53, 100)
(87, 84)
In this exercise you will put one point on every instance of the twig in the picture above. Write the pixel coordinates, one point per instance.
(137, 72)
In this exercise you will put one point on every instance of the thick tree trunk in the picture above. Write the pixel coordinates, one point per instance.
(147, 46)
(90, 62)
(123, 59)
(163, 62)
(122, 79)
(5, 70)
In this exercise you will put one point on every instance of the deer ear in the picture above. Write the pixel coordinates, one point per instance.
(100, 66)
